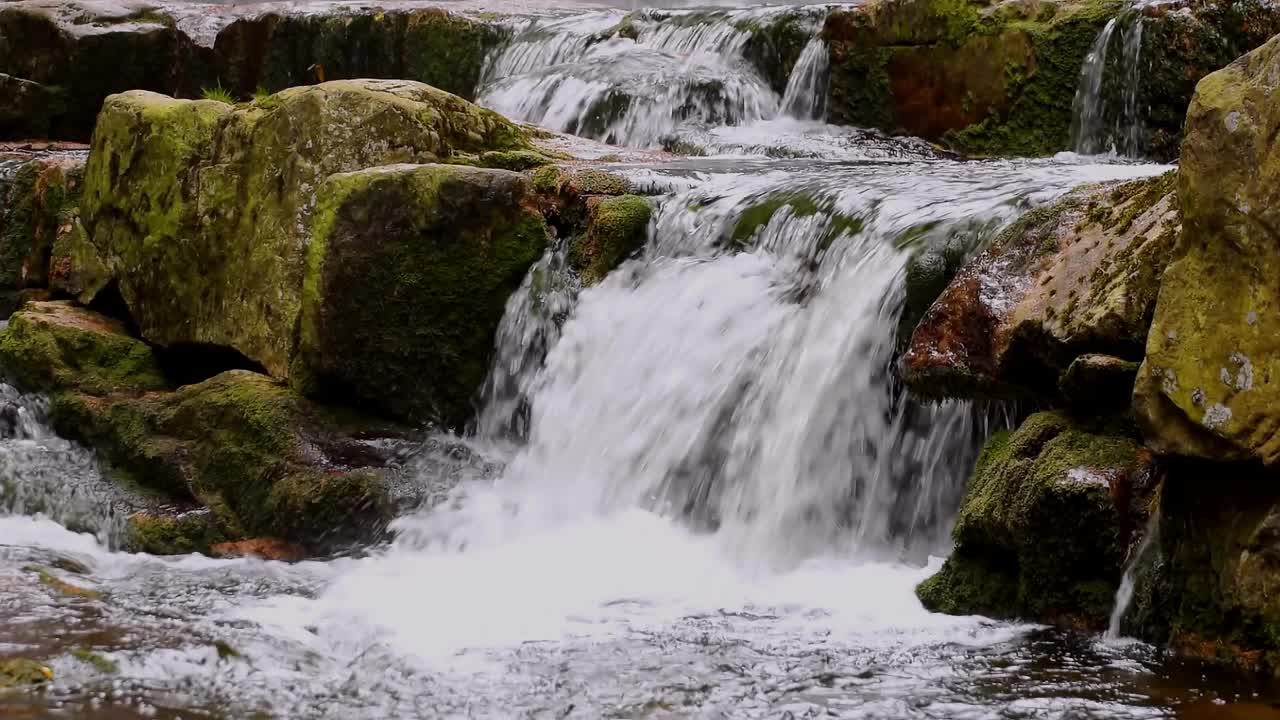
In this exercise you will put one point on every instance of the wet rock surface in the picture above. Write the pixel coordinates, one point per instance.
(1209, 383)
(1040, 533)
(1080, 276)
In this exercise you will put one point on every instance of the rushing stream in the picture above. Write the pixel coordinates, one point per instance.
(693, 490)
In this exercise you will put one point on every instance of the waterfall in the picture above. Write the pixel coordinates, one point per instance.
(1124, 595)
(806, 94)
(645, 78)
(1087, 107)
(1097, 128)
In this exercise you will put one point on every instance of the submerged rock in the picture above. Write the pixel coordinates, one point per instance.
(202, 212)
(1042, 530)
(408, 274)
(1210, 384)
(18, 672)
(1080, 276)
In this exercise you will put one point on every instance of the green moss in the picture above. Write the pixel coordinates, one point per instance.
(616, 227)
(183, 534)
(250, 449)
(518, 160)
(448, 51)
(1038, 534)
(202, 212)
(447, 245)
(54, 346)
(97, 662)
(35, 207)
(1038, 120)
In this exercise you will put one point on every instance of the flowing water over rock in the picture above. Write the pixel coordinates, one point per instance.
(1106, 116)
(693, 490)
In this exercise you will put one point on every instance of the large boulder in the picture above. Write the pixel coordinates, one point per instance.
(275, 50)
(203, 212)
(60, 59)
(985, 78)
(408, 275)
(56, 346)
(261, 458)
(1041, 533)
(1077, 277)
(1210, 384)
(72, 61)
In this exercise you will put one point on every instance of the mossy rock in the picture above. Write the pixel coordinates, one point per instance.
(984, 78)
(34, 208)
(1076, 277)
(273, 51)
(1039, 535)
(1207, 587)
(616, 227)
(202, 211)
(55, 346)
(76, 69)
(173, 533)
(409, 271)
(1210, 384)
(265, 460)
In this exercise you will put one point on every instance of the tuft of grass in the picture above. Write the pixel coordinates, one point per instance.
(261, 93)
(218, 93)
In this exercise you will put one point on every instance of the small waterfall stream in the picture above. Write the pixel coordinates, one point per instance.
(1124, 595)
(1106, 117)
(806, 94)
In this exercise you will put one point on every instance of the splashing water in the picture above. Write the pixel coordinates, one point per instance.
(710, 498)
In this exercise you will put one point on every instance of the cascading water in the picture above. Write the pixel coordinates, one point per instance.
(645, 78)
(806, 94)
(695, 489)
(1097, 125)
(1124, 595)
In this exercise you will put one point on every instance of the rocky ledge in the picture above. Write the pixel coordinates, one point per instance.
(251, 309)
(1145, 314)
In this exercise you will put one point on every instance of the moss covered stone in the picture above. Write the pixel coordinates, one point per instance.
(202, 212)
(55, 346)
(177, 533)
(35, 206)
(1039, 534)
(997, 79)
(276, 50)
(76, 65)
(264, 460)
(1210, 384)
(408, 275)
(616, 227)
(1079, 276)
